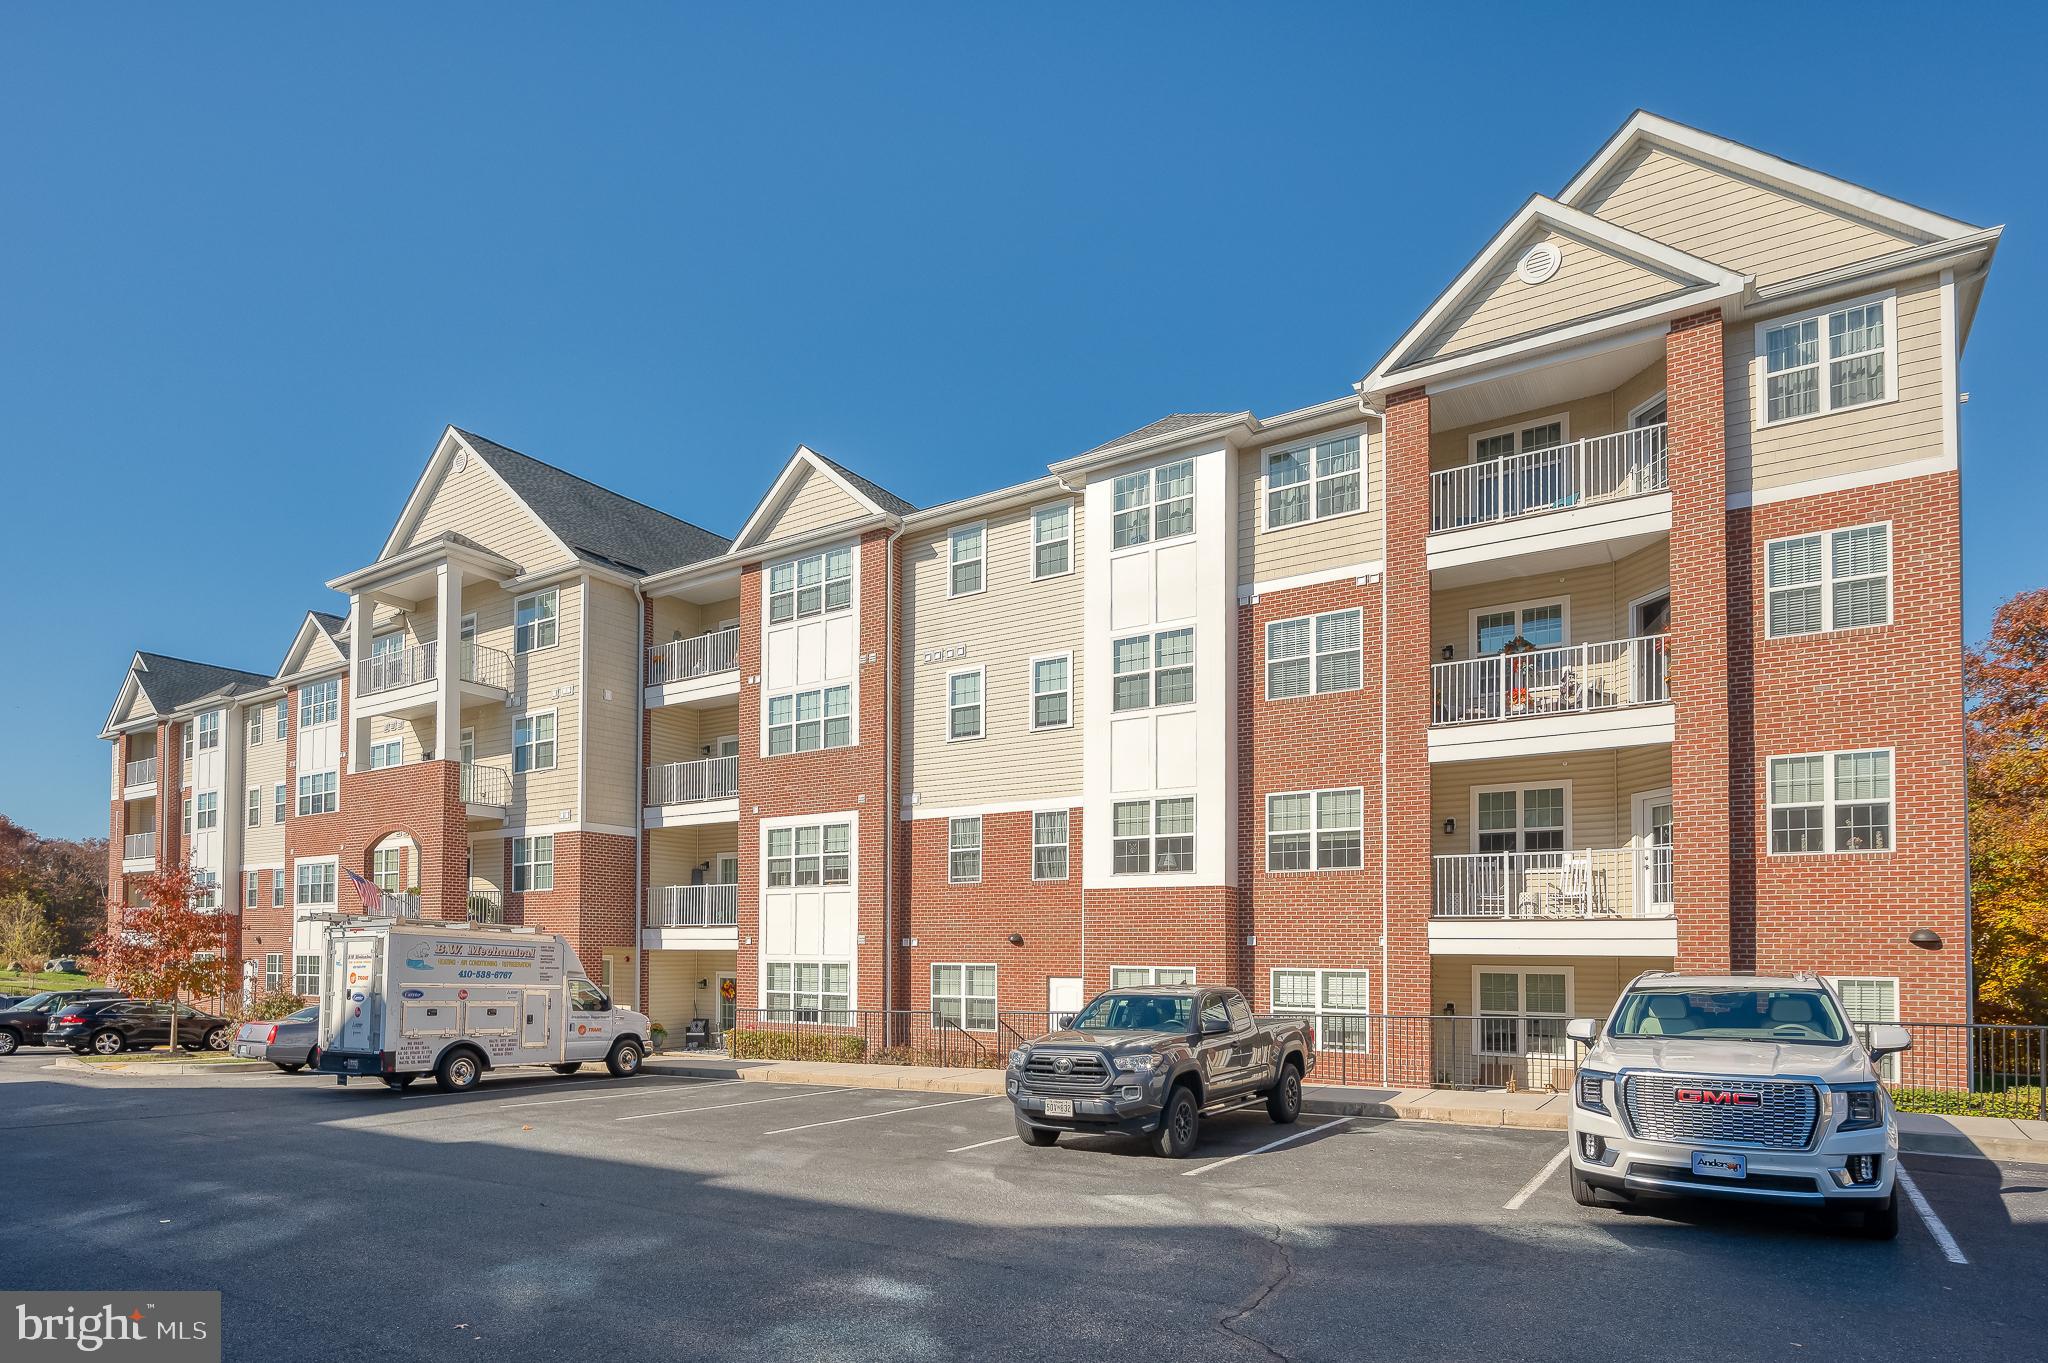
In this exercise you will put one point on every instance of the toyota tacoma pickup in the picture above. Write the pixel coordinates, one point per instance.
(1738, 1086)
(1154, 1063)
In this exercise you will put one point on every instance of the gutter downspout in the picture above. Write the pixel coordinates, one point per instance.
(639, 799)
(891, 796)
(1385, 552)
(1073, 491)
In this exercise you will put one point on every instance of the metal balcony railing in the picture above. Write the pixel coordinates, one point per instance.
(1552, 681)
(486, 785)
(681, 783)
(486, 906)
(1597, 882)
(483, 665)
(704, 656)
(400, 667)
(1601, 468)
(138, 846)
(694, 906)
(139, 773)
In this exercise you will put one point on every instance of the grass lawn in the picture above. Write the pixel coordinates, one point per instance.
(18, 982)
(161, 1056)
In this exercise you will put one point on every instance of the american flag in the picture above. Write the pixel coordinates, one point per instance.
(372, 897)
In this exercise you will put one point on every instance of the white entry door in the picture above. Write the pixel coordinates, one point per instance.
(1063, 999)
(1653, 853)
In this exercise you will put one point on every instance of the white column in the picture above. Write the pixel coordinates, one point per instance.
(361, 613)
(448, 667)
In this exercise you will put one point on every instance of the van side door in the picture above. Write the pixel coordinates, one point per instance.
(588, 1028)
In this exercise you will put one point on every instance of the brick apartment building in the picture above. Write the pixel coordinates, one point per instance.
(1612, 622)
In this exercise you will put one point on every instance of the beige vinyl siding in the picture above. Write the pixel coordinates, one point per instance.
(1597, 597)
(1596, 414)
(1732, 221)
(321, 654)
(487, 862)
(1314, 546)
(471, 501)
(672, 853)
(813, 504)
(538, 798)
(1591, 280)
(673, 997)
(611, 705)
(1600, 806)
(678, 619)
(138, 707)
(1001, 629)
(1851, 441)
(263, 767)
(679, 733)
(1597, 982)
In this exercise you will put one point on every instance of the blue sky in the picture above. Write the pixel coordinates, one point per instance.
(258, 255)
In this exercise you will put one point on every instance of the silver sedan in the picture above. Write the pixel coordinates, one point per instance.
(286, 1043)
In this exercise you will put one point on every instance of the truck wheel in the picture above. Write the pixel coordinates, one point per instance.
(1035, 1135)
(624, 1061)
(9, 1042)
(458, 1072)
(397, 1082)
(570, 1068)
(1283, 1104)
(1179, 1125)
(1882, 1222)
(1583, 1193)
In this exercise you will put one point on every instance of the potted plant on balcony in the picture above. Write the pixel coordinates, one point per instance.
(1517, 685)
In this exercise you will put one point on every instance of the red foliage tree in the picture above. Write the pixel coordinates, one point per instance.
(166, 947)
(2007, 680)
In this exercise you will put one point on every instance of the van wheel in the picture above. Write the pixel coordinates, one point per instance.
(396, 1082)
(624, 1061)
(1283, 1104)
(570, 1068)
(1179, 1125)
(458, 1072)
(1882, 1222)
(1035, 1135)
(1583, 1193)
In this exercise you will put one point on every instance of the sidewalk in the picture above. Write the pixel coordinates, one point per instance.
(1992, 1138)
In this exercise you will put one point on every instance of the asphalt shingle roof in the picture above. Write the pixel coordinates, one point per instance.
(596, 522)
(1172, 421)
(873, 491)
(172, 683)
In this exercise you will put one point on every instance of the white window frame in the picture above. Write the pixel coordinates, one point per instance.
(252, 889)
(1314, 482)
(284, 717)
(772, 595)
(1315, 655)
(533, 861)
(979, 705)
(795, 722)
(956, 848)
(1066, 693)
(813, 1002)
(527, 634)
(1888, 1067)
(208, 725)
(322, 796)
(955, 562)
(1147, 507)
(206, 890)
(1064, 540)
(320, 702)
(1356, 1042)
(273, 967)
(1151, 670)
(1147, 976)
(385, 865)
(306, 975)
(330, 882)
(1315, 830)
(188, 814)
(1520, 790)
(1829, 801)
(280, 801)
(532, 744)
(1040, 844)
(961, 1016)
(278, 888)
(1152, 837)
(253, 725)
(1825, 359)
(1518, 429)
(1522, 1013)
(206, 811)
(253, 815)
(388, 752)
(1520, 609)
(784, 855)
(1830, 579)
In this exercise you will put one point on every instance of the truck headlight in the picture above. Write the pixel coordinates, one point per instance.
(1592, 1096)
(1018, 1057)
(1136, 1064)
(1862, 1109)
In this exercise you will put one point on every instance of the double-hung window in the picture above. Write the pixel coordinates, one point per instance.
(1519, 820)
(209, 730)
(252, 889)
(1149, 976)
(1154, 669)
(965, 553)
(817, 584)
(809, 854)
(279, 801)
(1835, 579)
(284, 715)
(388, 753)
(206, 811)
(533, 863)
(273, 970)
(1052, 691)
(1868, 1000)
(319, 703)
(1314, 481)
(1153, 504)
(206, 890)
(1827, 361)
(1522, 1012)
(1337, 1003)
(963, 851)
(277, 888)
(963, 704)
(534, 622)
(1049, 844)
(256, 721)
(533, 742)
(1052, 540)
(316, 880)
(318, 793)
(306, 976)
(385, 870)
(1152, 836)
(808, 991)
(805, 721)
(1313, 654)
(1315, 830)
(1832, 802)
(965, 996)
(253, 817)
(188, 816)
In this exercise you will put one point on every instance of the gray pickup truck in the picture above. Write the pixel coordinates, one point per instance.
(1153, 1063)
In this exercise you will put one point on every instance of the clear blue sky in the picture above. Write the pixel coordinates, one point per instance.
(256, 256)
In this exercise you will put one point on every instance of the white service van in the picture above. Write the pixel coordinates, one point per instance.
(400, 998)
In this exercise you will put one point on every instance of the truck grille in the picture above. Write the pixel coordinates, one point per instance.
(1086, 1072)
(1783, 1116)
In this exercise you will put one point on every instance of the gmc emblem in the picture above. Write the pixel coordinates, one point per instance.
(1718, 1097)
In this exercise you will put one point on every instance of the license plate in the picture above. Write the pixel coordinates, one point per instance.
(1059, 1107)
(357, 1064)
(248, 1052)
(1719, 1166)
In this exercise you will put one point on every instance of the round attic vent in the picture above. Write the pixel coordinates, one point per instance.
(1539, 263)
(461, 460)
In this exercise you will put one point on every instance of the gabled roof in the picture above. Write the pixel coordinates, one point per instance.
(1166, 425)
(873, 491)
(171, 684)
(315, 625)
(807, 462)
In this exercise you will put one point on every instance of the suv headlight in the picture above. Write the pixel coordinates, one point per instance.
(1018, 1057)
(1862, 1108)
(1136, 1064)
(1591, 1095)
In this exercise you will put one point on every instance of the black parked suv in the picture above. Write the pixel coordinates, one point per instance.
(111, 1026)
(24, 1023)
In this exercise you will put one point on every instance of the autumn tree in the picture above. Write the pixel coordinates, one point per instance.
(2007, 682)
(27, 936)
(66, 876)
(166, 947)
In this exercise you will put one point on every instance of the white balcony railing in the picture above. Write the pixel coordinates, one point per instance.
(486, 906)
(1552, 681)
(1601, 468)
(484, 666)
(138, 847)
(1610, 882)
(704, 656)
(682, 783)
(694, 906)
(400, 667)
(139, 773)
(486, 786)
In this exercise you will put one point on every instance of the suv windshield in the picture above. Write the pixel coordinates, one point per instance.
(1136, 1013)
(1799, 1016)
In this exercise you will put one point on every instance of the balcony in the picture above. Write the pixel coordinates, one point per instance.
(138, 852)
(1552, 699)
(139, 778)
(694, 906)
(402, 681)
(400, 667)
(680, 794)
(1560, 507)
(486, 906)
(486, 791)
(704, 670)
(1616, 899)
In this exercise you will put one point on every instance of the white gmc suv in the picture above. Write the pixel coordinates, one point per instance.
(1746, 1086)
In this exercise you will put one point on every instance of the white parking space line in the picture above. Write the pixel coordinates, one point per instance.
(1949, 1249)
(962, 1149)
(615, 1093)
(1269, 1145)
(714, 1107)
(892, 1112)
(1514, 1204)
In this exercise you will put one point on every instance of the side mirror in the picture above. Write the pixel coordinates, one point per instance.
(1888, 1038)
(1215, 1026)
(1583, 1029)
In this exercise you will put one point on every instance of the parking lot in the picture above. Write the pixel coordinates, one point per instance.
(698, 1218)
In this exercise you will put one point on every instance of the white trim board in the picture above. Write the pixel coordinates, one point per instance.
(1843, 482)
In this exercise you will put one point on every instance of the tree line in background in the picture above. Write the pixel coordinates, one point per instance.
(53, 894)
(2006, 678)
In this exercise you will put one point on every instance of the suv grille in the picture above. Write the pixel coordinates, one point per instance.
(1783, 1116)
(1085, 1073)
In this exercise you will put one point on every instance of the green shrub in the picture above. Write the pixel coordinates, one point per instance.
(754, 1044)
(2012, 1102)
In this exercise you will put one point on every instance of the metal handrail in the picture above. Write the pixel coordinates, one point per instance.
(141, 772)
(486, 785)
(1576, 678)
(694, 906)
(486, 906)
(681, 783)
(400, 667)
(1585, 883)
(483, 665)
(704, 656)
(136, 846)
(1601, 468)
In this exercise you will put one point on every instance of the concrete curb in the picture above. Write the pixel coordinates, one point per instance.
(169, 1068)
(914, 1078)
